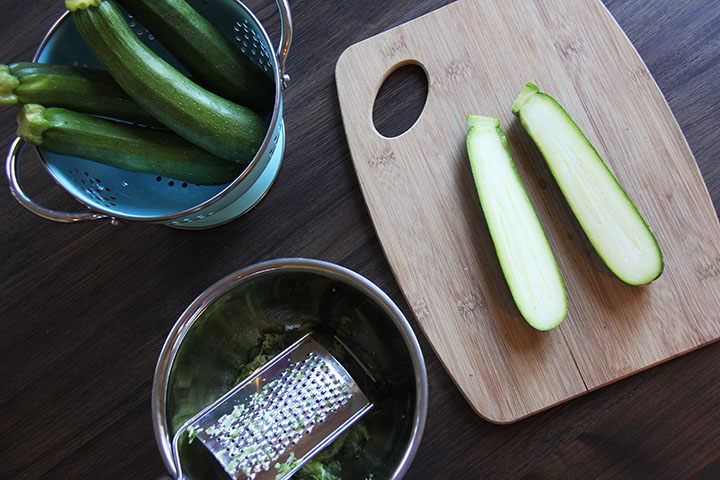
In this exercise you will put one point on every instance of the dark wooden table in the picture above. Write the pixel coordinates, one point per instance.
(85, 308)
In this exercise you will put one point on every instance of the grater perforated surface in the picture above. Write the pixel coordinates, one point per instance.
(268, 426)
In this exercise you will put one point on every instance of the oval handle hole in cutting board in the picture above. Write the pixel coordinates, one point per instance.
(400, 100)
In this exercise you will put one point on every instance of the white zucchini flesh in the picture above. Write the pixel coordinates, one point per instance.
(524, 253)
(610, 220)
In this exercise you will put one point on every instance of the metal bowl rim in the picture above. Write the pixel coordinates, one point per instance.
(291, 264)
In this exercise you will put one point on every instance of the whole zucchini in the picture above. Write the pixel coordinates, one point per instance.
(221, 127)
(121, 145)
(78, 88)
(212, 60)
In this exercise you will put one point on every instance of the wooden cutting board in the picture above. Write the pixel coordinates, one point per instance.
(419, 190)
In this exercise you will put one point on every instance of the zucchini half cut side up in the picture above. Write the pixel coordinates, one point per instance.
(610, 220)
(524, 253)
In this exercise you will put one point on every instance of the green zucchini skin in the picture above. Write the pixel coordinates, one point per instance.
(212, 60)
(80, 89)
(609, 218)
(121, 145)
(525, 256)
(223, 128)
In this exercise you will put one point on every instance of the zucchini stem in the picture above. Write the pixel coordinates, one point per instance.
(524, 95)
(480, 122)
(8, 83)
(32, 123)
(74, 5)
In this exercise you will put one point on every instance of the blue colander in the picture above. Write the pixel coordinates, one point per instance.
(117, 194)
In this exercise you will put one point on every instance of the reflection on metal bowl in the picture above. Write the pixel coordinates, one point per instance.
(225, 328)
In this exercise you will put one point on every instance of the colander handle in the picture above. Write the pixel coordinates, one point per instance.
(11, 170)
(286, 32)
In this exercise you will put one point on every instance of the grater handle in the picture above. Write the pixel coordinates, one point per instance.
(286, 33)
(16, 150)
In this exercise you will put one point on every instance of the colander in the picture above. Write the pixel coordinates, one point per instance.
(119, 195)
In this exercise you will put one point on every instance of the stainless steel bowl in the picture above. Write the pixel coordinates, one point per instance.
(218, 331)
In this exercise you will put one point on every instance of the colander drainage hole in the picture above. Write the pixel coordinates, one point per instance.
(170, 183)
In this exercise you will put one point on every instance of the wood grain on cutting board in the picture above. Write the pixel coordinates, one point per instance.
(478, 54)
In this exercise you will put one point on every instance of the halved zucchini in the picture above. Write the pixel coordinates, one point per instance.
(525, 256)
(610, 220)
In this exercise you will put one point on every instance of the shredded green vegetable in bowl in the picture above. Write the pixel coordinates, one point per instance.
(246, 328)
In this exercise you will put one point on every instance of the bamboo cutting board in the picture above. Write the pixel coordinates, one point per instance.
(419, 190)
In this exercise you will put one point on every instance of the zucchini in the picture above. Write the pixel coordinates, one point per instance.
(121, 145)
(221, 127)
(81, 89)
(213, 61)
(609, 218)
(524, 253)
